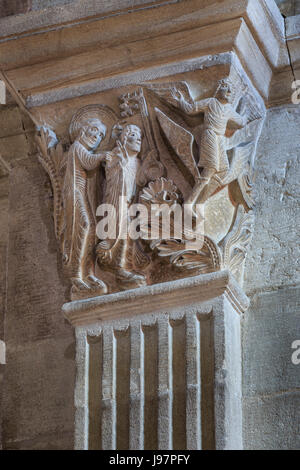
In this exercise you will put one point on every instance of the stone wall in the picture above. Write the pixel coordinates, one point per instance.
(40, 371)
(16, 7)
(289, 7)
(271, 381)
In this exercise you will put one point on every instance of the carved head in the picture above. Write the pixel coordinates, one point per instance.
(92, 133)
(89, 125)
(130, 136)
(225, 90)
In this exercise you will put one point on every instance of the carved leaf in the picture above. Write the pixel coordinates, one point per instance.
(234, 245)
(52, 158)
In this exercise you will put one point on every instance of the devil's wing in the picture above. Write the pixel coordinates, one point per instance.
(181, 141)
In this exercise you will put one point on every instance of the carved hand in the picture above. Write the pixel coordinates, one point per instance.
(178, 96)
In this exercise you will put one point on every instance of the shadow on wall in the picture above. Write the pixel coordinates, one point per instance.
(289, 7)
(16, 7)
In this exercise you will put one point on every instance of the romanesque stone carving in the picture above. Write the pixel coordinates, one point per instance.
(122, 176)
(74, 210)
(164, 150)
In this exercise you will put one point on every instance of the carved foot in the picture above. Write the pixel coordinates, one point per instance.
(130, 280)
(96, 284)
(78, 285)
(91, 283)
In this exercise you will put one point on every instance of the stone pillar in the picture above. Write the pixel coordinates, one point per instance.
(160, 367)
(158, 327)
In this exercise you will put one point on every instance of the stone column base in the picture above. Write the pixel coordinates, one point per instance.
(160, 367)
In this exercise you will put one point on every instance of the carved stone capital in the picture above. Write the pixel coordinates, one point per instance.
(123, 173)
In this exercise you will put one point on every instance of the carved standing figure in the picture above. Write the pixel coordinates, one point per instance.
(121, 175)
(218, 114)
(79, 221)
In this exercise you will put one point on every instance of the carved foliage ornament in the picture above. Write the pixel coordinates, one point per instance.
(165, 154)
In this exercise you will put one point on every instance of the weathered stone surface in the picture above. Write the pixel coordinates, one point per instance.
(39, 375)
(3, 247)
(178, 362)
(289, 7)
(271, 325)
(274, 259)
(4, 188)
(38, 385)
(270, 380)
(271, 422)
(14, 7)
(40, 4)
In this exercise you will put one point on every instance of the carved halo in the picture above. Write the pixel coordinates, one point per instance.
(97, 111)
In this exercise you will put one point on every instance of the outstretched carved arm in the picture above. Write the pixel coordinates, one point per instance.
(191, 108)
(201, 106)
(90, 161)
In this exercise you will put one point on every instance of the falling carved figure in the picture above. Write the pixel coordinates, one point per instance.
(218, 113)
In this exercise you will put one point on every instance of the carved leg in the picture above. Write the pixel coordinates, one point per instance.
(208, 191)
(200, 185)
(85, 241)
(127, 278)
(88, 267)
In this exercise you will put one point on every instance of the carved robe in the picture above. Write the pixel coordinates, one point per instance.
(121, 178)
(213, 141)
(79, 210)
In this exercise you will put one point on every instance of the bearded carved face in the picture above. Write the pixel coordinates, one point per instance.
(93, 134)
(224, 92)
(131, 138)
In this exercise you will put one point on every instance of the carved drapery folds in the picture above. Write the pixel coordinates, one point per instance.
(163, 157)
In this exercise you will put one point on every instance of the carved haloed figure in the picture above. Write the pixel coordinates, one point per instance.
(218, 113)
(79, 222)
(121, 179)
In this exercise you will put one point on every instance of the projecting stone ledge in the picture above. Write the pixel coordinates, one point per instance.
(174, 294)
(159, 367)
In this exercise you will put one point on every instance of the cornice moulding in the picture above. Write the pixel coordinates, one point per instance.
(183, 292)
(108, 42)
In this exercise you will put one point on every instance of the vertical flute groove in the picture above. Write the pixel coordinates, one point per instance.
(108, 398)
(164, 415)
(136, 379)
(150, 386)
(122, 387)
(95, 391)
(207, 384)
(179, 383)
(193, 399)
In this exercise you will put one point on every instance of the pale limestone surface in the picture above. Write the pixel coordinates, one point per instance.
(176, 359)
(39, 380)
(271, 381)
(40, 373)
(274, 259)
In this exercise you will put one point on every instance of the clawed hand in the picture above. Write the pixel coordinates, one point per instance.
(177, 95)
